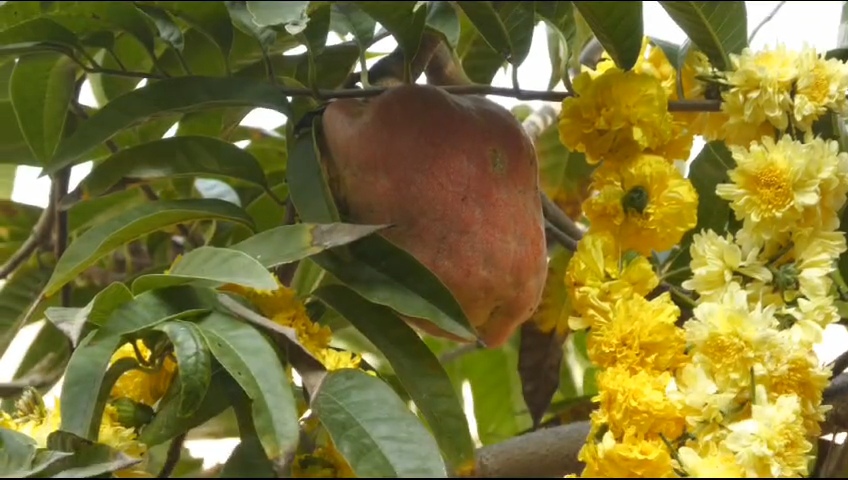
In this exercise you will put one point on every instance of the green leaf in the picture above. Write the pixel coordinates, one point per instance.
(442, 17)
(415, 365)
(122, 16)
(42, 31)
(40, 89)
(404, 20)
(17, 452)
(244, 20)
(13, 148)
(132, 224)
(169, 421)
(269, 14)
(486, 20)
(7, 180)
(672, 51)
(210, 18)
(211, 267)
(388, 275)
(132, 57)
(16, 223)
(716, 28)
(157, 306)
(168, 29)
(618, 26)
(251, 360)
(83, 394)
(70, 321)
(248, 459)
(307, 179)
(47, 355)
(164, 96)
(41, 461)
(374, 430)
(106, 301)
(290, 243)
(87, 459)
(16, 297)
(194, 362)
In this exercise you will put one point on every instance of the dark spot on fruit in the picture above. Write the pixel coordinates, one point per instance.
(498, 160)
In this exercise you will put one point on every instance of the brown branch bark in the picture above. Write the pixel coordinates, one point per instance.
(547, 453)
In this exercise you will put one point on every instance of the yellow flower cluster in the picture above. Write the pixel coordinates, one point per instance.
(284, 308)
(38, 423)
(143, 385)
(737, 390)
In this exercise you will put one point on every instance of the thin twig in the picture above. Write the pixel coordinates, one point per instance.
(286, 271)
(560, 237)
(40, 236)
(60, 188)
(559, 219)
(765, 20)
(452, 355)
(172, 458)
(840, 364)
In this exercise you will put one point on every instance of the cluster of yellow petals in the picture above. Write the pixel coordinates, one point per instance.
(284, 308)
(38, 425)
(143, 385)
(737, 390)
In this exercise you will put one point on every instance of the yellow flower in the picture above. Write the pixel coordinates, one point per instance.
(597, 276)
(831, 166)
(699, 397)
(821, 85)
(794, 369)
(816, 260)
(772, 443)
(140, 385)
(637, 403)
(729, 338)
(641, 335)
(338, 359)
(711, 461)
(269, 302)
(632, 457)
(760, 87)
(645, 202)
(773, 183)
(111, 432)
(717, 261)
(618, 115)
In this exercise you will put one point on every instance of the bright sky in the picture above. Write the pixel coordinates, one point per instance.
(814, 23)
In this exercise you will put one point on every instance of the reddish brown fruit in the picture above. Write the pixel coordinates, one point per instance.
(458, 177)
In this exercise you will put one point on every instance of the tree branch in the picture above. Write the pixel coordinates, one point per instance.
(549, 452)
(59, 189)
(39, 237)
(765, 20)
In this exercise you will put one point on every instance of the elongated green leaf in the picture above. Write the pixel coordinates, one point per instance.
(386, 274)
(415, 365)
(43, 31)
(7, 180)
(48, 354)
(87, 459)
(404, 20)
(486, 20)
(42, 460)
(13, 148)
(122, 16)
(81, 397)
(115, 295)
(443, 18)
(169, 95)
(248, 459)
(244, 20)
(168, 30)
(182, 156)
(16, 12)
(716, 28)
(618, 26)
(290, 243)
(307, 179)
(211, 267)
(40, 89)
(254, 364)
(374, 430)
(16, 223)
(269, 14)
(130, 225)
(169, 422)
(194, 361)
(210, 18)
(16, 298)
(154, 307)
